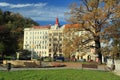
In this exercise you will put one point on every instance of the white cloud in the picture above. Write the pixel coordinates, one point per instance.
(45, 14)
(4, 4)
(20, 5)
(38, 11)
(40, 4)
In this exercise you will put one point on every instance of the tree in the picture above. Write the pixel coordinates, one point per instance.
(11, 30)
(2, 48)
(24, 54)
(95, 17)
(77, 42)
(69, 46)
(1, 17)
(113, 33)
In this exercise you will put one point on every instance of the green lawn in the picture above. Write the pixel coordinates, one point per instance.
(64, 74)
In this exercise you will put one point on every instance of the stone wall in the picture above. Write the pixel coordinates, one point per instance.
(117, 64)
(23, 63)
(109, 62)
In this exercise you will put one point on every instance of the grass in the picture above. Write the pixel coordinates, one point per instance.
(64, 74)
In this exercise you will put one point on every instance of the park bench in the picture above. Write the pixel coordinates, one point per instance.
(95, 66)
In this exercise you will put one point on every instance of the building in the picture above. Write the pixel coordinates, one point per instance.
(44, 40)
(47, 40)
(36, 40)
(84, 51)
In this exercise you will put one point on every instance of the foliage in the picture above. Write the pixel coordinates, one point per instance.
(112, 34)
(2, 47)
(76, 38)
(24, 54)
(65, 74)
(69, 47)
(95, 17)
(11, 30)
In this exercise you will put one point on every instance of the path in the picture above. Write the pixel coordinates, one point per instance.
(69, 65)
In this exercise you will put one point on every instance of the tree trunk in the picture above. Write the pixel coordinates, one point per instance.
(3, 56)
(98, 48)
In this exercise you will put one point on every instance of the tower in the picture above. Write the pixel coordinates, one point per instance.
(57, 21)
(56, 24)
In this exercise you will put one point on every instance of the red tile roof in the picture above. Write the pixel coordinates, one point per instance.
(38, 27)
(73, 25)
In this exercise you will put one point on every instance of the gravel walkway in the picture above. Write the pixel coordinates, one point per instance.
(68, 65)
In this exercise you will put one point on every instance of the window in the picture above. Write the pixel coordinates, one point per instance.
(50, 50)
(46, 37)
(55, 44)
(50, 39)
(46, 42)
(40, 47)
(60, 33)
(61, 39)
(60, 50)
(60, 44)
(55, 39)
(55, 34)
(45, 47)
(50, 34)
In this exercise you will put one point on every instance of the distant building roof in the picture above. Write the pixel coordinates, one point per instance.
(38, 27)
(73, 25)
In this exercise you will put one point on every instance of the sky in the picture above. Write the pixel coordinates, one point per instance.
(42, 11)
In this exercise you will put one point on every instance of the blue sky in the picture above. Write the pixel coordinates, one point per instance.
(42, 11)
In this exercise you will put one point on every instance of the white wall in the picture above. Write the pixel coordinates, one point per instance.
(117, 64)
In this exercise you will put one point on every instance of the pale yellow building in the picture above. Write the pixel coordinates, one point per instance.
(44, 41)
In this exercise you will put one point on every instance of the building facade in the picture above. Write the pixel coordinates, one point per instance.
(47, 41)
(85, 41)
(44, 41)
(36, 40)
